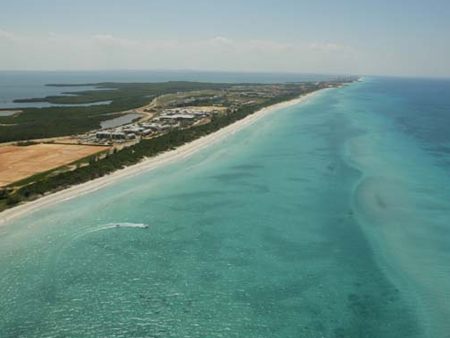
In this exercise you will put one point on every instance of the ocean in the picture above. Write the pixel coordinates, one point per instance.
(330, 218)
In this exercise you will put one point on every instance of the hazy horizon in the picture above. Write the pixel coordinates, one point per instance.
(349, 37)
(231, 72)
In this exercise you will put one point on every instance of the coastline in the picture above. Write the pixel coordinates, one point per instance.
(148, 164)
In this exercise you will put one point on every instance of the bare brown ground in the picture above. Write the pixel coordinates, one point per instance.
(17, 163)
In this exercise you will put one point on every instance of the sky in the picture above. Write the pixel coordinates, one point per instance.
(377, 37)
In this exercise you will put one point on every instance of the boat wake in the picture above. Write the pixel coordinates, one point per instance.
(125, 225)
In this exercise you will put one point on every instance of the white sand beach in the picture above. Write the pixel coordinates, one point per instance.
(147, 164)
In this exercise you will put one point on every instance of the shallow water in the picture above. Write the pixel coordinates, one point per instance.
(328, 219)
(25, 85)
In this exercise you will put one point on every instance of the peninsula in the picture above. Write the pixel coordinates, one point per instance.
(45, 150)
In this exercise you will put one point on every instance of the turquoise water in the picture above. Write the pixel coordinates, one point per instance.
(327, 219)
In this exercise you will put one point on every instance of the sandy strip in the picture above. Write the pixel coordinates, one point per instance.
(147, 164)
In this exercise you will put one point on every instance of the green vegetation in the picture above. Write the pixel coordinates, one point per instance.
(146, 148)
(25, 143)
(40, 184)
(36, 123)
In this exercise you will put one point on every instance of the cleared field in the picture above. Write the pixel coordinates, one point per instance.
(17, 163)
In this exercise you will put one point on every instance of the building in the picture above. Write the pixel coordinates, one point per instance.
(103, 135)
(178, 117)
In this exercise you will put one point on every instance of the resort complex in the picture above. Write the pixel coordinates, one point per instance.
(224, 169)
(173, 113)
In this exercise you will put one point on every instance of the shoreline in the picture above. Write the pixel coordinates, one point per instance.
(148, 164)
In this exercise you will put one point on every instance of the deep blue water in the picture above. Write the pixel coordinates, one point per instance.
(326, 219)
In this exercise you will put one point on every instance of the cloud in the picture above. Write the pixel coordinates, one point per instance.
(107, 51)
(327, 47)
(112, 41)
(221, 40)
(105, 38)
(6, 36)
